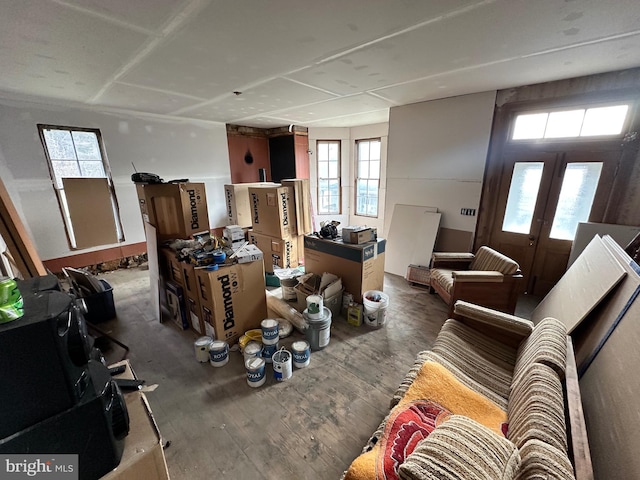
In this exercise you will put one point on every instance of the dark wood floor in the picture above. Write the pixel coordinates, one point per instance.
(309, 427)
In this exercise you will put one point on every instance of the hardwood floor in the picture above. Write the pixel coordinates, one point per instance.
(309, 427)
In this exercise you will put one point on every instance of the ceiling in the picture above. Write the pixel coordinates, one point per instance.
(324, 63)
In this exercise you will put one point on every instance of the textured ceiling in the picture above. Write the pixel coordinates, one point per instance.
(329, 63)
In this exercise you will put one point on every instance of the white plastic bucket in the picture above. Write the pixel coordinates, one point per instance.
(375, 312)
(218, 353)
(315, 306)
(255, 372)
(201, 346)
(270, 334)
(288, 290)
(282, 369)
(301, 352)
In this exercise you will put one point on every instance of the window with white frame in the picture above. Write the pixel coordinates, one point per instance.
(329, 196)
(77, 153)
(367, 176)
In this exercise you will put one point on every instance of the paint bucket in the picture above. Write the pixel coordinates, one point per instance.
(288, 290)
(218, 353)
(319, 330)
(268, 351)
(301, 352)
(375, 308)
(315, 306)
(282, 369)
(270, 334)
(252, 350)
(255, 371)
(201, 346)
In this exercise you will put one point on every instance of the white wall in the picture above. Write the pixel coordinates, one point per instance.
(170, 148)
(436, 156)
(348, 137)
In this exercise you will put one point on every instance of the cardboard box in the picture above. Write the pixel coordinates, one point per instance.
(142, 202)
(272, 211)
(361, 267)
(232, 299)
(191, 300)
(176, 305)
(249, 253)
(302, 202)
(233, 233)
(177, 210)
(238, 205)
(143, 456)
(280, 252)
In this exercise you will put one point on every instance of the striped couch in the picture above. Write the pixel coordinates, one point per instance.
(517, 366)
(487, 278)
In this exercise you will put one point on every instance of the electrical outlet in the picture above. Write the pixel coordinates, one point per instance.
(468, 211)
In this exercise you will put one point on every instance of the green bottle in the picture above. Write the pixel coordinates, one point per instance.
(11, 305)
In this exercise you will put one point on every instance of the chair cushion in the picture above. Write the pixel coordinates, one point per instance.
(461, 448)
(536, 408)
(443, 277)
(488, 259)
(542, 462)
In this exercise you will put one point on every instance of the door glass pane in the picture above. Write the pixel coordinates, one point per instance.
(523, 193)
(529, 126)
(564, 124)
(576, 197)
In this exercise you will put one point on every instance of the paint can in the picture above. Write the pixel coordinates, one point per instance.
(270, 333)
(252, 350)
(218, 353)
(375, 308)
(201, 346)
(301, 352)
(315, 306)
(282, 369)
(319, 330)
(268, 351)
(288, 290)
(255, 372)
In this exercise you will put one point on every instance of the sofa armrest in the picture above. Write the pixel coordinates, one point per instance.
(477, 276)
(482, 316)
(451, 260)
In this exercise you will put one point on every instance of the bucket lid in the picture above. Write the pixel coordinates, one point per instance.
(326, 315)
(218, 344)
(269, 323)
(254, 363)
(202, 341)
(252, 348)
(300, 346)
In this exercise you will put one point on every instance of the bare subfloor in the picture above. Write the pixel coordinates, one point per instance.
(309, 427)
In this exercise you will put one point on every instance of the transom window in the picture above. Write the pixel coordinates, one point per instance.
(368, 177)
(329, 197)
(77, 153)
(580, 122)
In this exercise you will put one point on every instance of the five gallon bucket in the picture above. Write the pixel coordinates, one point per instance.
(319, 330)
(282, 365)
(201, 346)
(375, 308)
(218, 353)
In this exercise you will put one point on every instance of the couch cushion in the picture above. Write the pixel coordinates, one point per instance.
(461, 448)
(547, 344)
(443, 277)
(543, 462)
(409, 378)
(536, 408)
(480, 362)
(488, 259)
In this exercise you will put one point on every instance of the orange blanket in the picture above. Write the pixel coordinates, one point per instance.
(431, 399)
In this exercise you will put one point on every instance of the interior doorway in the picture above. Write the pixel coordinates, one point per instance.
(542, 196)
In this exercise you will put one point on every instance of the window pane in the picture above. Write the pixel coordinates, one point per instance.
(333, 169)
(530, 126)
(579, 187)
(323, 169)
(523, 193)
(361, 205)
(363, 150)
(323, 151)
(92, 169)
(372, 188)
(375, 150)
(63, 168)
(361, 188)
(374, 169)
(334, 196)
(333, 151)
(86, 144)
(59, 144)
(604, 121)
(363, 169)
(564, 124)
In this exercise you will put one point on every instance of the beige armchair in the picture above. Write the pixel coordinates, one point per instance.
(487, 278)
